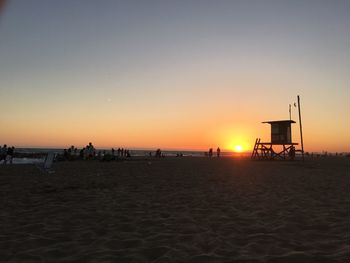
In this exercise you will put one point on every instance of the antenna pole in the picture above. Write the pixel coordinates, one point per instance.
(301, 130)
(290, 113)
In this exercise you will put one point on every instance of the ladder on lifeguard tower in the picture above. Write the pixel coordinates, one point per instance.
(255, 152)
(261, 151)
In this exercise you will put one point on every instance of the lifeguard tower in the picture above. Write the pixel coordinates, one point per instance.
(281, 145)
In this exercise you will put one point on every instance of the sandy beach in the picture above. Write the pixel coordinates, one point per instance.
(177, 210)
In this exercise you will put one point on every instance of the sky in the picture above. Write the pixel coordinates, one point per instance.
(173, 74)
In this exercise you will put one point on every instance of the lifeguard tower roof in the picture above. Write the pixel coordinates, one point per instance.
(281, 132)
(282, 121)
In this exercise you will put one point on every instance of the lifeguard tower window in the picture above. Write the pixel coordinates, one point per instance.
(281, 132)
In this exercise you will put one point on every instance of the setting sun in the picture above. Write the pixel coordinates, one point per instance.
(238, 148)
(237, 143)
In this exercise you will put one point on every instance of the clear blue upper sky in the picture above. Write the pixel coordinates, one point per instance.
(148, 61)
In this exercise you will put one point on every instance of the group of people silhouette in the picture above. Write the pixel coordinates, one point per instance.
(89, 152)
(7, 154)
(121, 152)
(210, 152)
(159, 153)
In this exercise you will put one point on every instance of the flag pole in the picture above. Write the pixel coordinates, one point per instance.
(301, 130)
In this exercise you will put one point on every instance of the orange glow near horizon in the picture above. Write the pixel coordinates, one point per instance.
(238, 141)
(47, 134)
(238, 148)
(63, 131)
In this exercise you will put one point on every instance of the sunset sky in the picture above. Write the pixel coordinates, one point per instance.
(173, 74)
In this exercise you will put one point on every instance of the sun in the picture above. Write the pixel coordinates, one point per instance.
(237, 145)
(238, 148)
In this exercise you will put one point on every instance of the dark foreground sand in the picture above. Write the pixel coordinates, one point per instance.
(177, 210)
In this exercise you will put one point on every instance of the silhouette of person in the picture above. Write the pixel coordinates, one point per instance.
(91, 151)
(65, 154)
(292, 152)
(218, 151)
(81, 153)
(3, 153)
(9, 154)
(210, 152)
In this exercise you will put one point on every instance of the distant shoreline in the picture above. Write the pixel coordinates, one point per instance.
(134, 152)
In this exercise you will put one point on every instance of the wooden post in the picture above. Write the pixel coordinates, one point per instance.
(301, 130)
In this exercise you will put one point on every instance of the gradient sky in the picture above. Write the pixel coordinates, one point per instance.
(173, 74)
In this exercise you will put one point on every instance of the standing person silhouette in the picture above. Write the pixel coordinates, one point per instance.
(210, 152)
(218, 151)
(3, 153)
(10, 154)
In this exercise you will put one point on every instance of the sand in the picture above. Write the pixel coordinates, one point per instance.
(177, 210)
